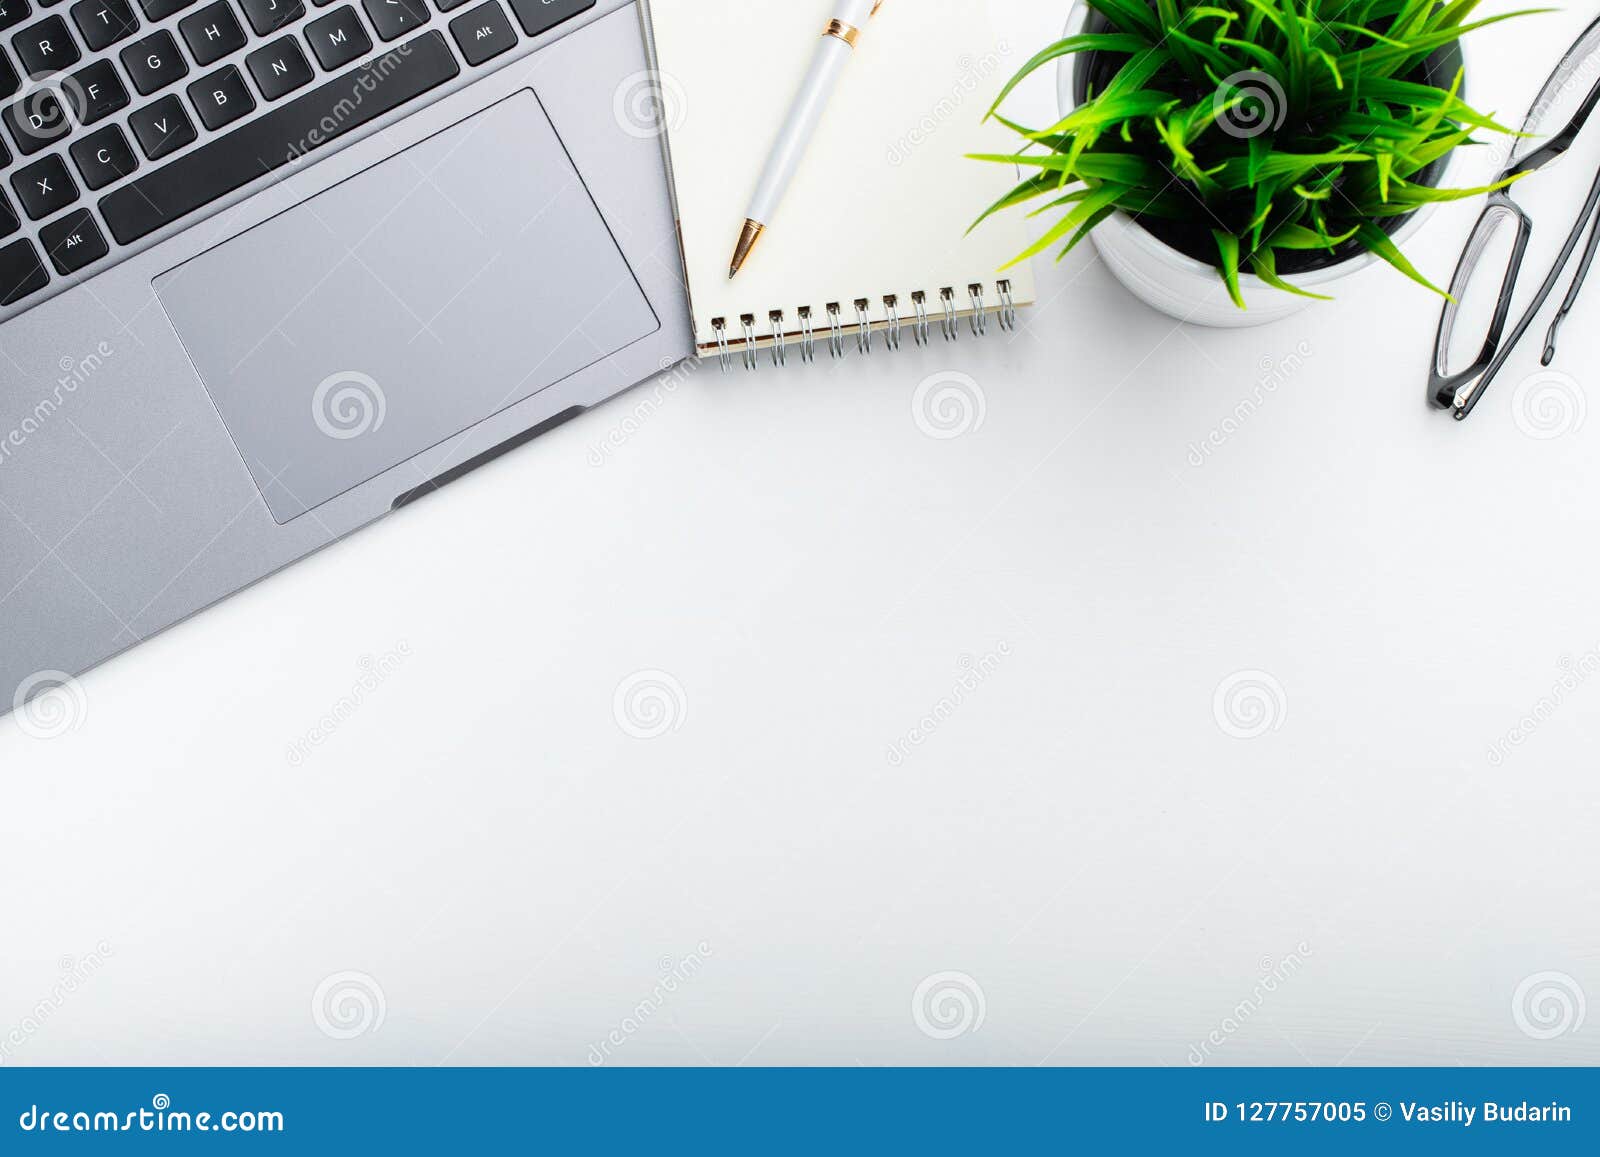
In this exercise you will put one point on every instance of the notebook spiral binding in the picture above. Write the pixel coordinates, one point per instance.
(747, 344)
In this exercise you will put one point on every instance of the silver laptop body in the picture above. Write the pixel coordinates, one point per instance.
(431, 261)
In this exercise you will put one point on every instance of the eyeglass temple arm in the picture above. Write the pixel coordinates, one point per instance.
(1572, 293)
(1561, 141)
(1478, 389)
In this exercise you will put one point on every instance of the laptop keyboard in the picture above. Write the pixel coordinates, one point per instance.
(121, 117)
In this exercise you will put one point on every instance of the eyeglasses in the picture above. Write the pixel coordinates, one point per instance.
(1472, 345)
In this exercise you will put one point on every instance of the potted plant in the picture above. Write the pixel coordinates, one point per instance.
(1234, 159)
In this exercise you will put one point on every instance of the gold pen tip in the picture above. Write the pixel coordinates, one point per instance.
(747, 241)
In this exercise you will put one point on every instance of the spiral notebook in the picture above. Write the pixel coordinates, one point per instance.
(870, 246)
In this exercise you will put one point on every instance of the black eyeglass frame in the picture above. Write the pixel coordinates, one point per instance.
(1443, 389)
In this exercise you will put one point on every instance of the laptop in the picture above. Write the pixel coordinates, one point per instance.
(271, 269)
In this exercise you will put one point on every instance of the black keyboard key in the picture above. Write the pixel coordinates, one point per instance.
(484, 32)
(448, 5)
(9, 80)
(9, 221)
(212, 33)
(274, 139)
(46, 47)
(95, 92)
(279, 68)
(161, 128)
(104, 22)
(36, 121)
(542, 15)
(73, 241)
(21, 272)
(154, 62)
(5, 154)
(155, 10)
(103, 156)
(221, 98)
(13, 13)
(394, 18)
(267, 16)
(338, 38)
(44, 187)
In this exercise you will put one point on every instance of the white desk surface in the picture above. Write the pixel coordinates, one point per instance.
(511, 873)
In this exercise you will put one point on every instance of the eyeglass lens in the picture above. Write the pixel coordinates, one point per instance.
(1551, 199)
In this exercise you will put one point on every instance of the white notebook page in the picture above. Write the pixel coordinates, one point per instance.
(886, 193)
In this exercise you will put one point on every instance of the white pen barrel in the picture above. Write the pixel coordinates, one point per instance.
(855, 13)
(827, 65)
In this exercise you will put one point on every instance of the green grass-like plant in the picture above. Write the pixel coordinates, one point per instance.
(1271, 136)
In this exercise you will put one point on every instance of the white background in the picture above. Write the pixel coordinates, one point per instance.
(811, 573)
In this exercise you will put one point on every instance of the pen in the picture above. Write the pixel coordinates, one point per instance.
(827, 65)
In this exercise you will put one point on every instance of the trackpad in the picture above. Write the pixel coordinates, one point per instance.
(399, 307)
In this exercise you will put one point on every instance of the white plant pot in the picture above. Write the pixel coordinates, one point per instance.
(1190, 290)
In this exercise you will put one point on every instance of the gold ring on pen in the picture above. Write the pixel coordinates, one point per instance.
(848, 33)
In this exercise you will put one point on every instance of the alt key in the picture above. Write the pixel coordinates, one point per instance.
(483, 33)
(73, 242)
